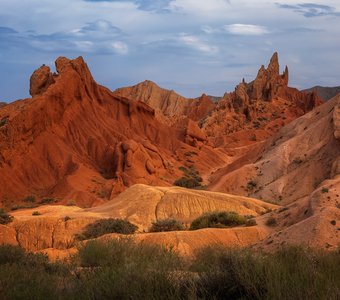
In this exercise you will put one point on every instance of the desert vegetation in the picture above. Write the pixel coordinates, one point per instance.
(121, 269)
(221, 219)
(166, 225)
(5, 218)
(191, 178)
(105, 226)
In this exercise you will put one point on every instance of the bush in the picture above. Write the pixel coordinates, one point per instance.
(288, 273)
(5, 218)
(166, 225)
(324, 190)
(271, 221)
(122, 269)
(218, 220)
(47, 201)
(29, 199)
(191, 178)
(104, 226)
(36, 213)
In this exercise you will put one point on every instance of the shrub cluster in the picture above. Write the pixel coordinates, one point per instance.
(121, 269)
(191, 178)
(166, 225)
(104, 226)
(218, 220)
(5, 218)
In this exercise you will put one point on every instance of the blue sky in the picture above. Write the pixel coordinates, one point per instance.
(191, 46)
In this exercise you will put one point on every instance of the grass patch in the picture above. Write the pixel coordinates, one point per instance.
(221, 219)
(166, 225)
(121, 269)
(105, 226)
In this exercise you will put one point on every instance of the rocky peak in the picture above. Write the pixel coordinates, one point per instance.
(274, 67)
(40, 80)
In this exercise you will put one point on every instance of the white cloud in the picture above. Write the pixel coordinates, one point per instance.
(246, 29)
(120, 47)
(197, 44)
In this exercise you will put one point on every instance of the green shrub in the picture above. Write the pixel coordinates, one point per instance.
(36, 213)
(10, 254)
(191, 178)
(288, 273)
(104, 226)
(5, 218)
(218, 220)
(324, 190)
(166, 225)
(122, 269)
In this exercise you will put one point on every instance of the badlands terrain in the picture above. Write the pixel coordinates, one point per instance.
(76, 152)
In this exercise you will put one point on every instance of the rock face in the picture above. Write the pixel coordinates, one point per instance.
(299, 167)
(77, 141)
(263, 105)
(40, 80)
(2, 104)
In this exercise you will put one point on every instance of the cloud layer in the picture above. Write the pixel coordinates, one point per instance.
(192, 46)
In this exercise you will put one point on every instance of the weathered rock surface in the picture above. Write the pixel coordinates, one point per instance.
(56, 226)
(40, 80)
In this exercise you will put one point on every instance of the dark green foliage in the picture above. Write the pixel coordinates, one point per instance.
(289, 273)
(104, 226)
(5, 218)
(324, 190)
(3, 122)
(122, 269)
(218, 220)
(191, 178)
(166, 225)
(29, 199)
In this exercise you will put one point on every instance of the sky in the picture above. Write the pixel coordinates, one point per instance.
(190, 46)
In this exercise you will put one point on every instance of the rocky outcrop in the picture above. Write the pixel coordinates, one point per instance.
(40, 80)
(2, 104)
(77, 141)
(57, 226)
(336, 119)
(265, 104)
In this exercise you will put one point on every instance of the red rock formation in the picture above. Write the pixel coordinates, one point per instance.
(77, 141)
(265, 104)
(40, 80)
